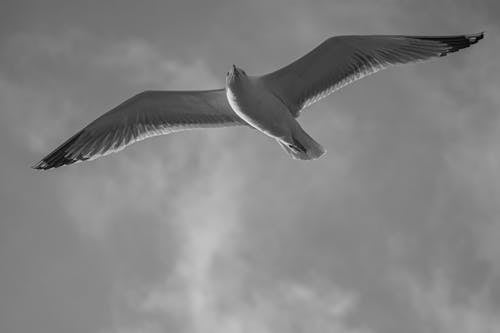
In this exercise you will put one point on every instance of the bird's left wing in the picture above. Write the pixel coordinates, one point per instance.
(147, 114)
(343, 59)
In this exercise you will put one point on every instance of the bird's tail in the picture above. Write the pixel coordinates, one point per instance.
(303, 147)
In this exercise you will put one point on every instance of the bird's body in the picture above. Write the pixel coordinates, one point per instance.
(269, 103)
(253, 102)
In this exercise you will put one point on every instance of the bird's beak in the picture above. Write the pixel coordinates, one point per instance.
(235, 71)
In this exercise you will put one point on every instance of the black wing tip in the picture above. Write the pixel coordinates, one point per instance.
(455, 43)
(60, 156)
(474, 38)
(46, 163)
(42, 165)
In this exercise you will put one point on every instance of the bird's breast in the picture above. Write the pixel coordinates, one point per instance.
(259, 108)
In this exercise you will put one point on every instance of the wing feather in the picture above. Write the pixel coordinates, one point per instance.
(147, 114)
(342, 60)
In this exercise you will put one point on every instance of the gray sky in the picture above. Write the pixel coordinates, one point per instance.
(395, 230)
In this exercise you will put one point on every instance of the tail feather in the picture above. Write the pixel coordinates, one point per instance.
(303, 147)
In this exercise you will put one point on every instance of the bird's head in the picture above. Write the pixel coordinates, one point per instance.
(235, 75)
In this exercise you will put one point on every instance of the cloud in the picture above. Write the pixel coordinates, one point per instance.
(209, 290)
(143, 328)
(141, 63)
(27, 111)
(441, 314)
(289, 306)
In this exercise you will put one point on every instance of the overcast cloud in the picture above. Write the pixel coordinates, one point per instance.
(395, 230)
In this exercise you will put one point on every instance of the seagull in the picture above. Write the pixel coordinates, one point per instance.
(269, 103)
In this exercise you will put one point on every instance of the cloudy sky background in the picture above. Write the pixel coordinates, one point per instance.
(396, 229)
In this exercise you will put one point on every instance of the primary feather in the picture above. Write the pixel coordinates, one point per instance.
(341, 60)
(147, 114)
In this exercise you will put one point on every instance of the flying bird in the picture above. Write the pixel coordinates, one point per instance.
(269, 103)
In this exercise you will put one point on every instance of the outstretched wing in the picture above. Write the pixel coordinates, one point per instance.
(341, 60)
(147, 114)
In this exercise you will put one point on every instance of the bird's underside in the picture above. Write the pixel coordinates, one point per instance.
(332, 65)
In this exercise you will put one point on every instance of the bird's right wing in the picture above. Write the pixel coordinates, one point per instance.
(147, 114)
(343, 59)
